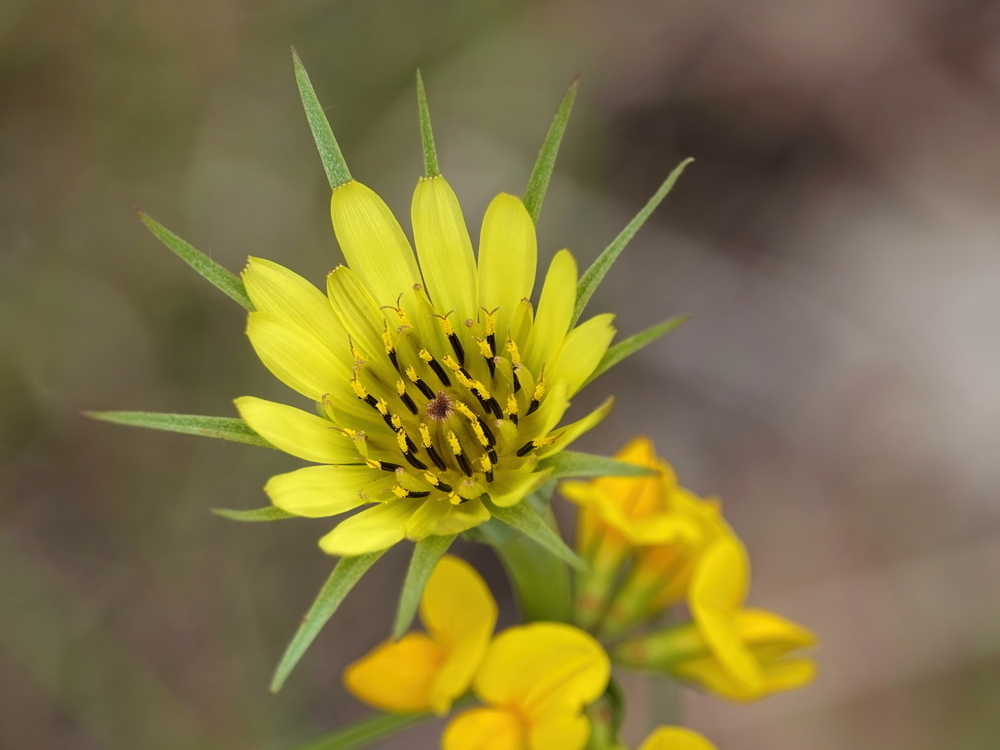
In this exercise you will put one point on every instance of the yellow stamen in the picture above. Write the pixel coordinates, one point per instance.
(399, 491)
(515, 355)
(397, 423)
(401, 442)
(382, 406)
(359, 390)
(511, 404)
(456, 447)
(484, 348)
(425, 436)
(400, 387)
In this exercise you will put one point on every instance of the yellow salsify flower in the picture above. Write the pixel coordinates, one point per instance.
(535, 681)
(660, 526)
(736, 653)
(436, 383)
(675, 738)
(428, 671)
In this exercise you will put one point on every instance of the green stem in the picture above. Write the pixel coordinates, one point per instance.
(365, 732)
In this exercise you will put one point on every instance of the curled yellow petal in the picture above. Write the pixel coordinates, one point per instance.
(297, 432)
(484, 729)
(371, 530)
(397, 676)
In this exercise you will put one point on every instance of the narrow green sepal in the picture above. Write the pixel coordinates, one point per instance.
(221, 278)
(270, 513)
(431, 167)
(632, 344)
(224, 428)
(589, 281)
(525, 519)
(538, 182)
(572, 464)
(426, 554)
(329, 150)
(346, 574)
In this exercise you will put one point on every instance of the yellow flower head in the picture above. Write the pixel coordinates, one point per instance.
(428, 671)
(535, 682)
(436, 383)
(736, 653)
(675, 738)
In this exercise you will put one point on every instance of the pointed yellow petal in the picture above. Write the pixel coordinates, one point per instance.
(788, 674)
(373, 242)
(718, 590)
(676, 738)
(555, 310)
(769, 635)
(439, 517)
(357, 310)
(460, 613)
(484, 729)
(276, 290)
(371, 530)
(541, 668)
(511, 487)
(444, 249)
(508, 253)
(569, 433)
(318, 491)
(297, 432)
(298, 359)
(582, 351)
(396, 676)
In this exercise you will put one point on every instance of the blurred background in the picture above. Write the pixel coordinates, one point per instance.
(836, 241)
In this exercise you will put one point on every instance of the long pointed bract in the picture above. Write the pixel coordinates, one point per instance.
(431, 167)
(345, 575)
(426, 554)
(269, 513)
(538, 182)
(524, 518)
(632, 344)
(329, 150)
(572, 464)
(589, 281)
(221, 278)
(224, 428)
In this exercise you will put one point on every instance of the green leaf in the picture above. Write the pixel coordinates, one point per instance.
(538, 182)
(526, 520)
(270, 513)
(224, 428)
(431, 168)
(223, 279)
(632, 344)
(572, 464)
(371, 729)
(345, 575)
(329, 150)
(426, 554)
(588, 283)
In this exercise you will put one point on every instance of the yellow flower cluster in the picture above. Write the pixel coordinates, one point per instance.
(534, 681)
(652, 543)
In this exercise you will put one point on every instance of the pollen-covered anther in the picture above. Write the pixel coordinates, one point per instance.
(436, 483)
(418, 381)
(456, 448)
(427, 357)
(536, 397)
(531, 445)
(515, 355)
(405, 397)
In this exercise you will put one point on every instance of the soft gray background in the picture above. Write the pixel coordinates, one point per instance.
(836, 240)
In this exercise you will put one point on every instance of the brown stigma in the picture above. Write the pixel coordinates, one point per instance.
(439, 407)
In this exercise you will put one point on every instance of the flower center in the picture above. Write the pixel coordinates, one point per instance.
(445, 408)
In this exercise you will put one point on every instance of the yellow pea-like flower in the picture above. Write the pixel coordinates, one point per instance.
(675, 738)
(437, 379)
(736, 653)
(428, 671)
(534, 682)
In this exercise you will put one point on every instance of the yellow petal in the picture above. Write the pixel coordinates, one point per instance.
(438, 516)
(543, 668)
(582, 351)
(508, 254)
(484, 729)
(569, 433)
(274, 289)
(511, 487)
(357, 310)
(676, 738)
(297, 432)
(561, 730)
(444, 248)
(297, 358)
(396, 677)
(373, 242)
(770, 635)
(459, 613)
(555, 311)
(718, 590)
(788, 674)
(371, 530)
(318, 491)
